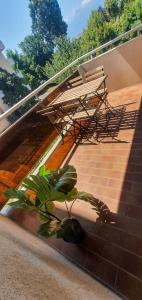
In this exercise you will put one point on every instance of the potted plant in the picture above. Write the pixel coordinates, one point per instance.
(39, 193)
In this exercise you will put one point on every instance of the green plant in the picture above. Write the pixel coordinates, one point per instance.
(42, 190)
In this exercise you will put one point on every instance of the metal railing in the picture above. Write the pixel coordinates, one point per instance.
(75, 62)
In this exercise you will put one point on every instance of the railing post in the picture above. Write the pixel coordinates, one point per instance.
(138, 32)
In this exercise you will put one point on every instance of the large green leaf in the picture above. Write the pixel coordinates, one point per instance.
(18, 204)
(44, 191)
(40, 185)
(43, 171)
(57, 196)
(22, 200)
(72, 195)
(64, 179)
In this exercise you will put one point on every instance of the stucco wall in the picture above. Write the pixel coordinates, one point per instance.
(123, 64)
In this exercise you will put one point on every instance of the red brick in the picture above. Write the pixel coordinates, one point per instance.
(113, 253)
(129, 286)
(130, 225)
(134, 212)
(131, 198)
(122, 258)
(137, 188)
(101, 268)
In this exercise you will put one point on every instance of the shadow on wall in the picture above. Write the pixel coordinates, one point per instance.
(123, 64)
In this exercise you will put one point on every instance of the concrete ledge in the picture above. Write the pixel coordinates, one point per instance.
(30, 269)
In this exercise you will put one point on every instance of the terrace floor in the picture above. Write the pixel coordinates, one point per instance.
(112, 172)
(112, 169)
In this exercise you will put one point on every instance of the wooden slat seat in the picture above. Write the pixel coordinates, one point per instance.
(78, 116)
(99, 93)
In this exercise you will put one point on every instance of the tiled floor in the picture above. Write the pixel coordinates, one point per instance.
(112, 172)
(112, 169)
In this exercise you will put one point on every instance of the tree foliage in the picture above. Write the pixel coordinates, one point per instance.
(13, 89)
(104, 24)
(98, 31)
(37, 48)
(66, 51)
(32, 72)
(131, 15)
(47, 20)
(113, 8)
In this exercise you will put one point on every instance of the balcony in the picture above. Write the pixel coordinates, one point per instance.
(111, 170)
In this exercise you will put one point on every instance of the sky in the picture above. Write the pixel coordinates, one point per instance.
(15, 22)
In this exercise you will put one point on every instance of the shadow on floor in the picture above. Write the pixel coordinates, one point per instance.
(108, 126)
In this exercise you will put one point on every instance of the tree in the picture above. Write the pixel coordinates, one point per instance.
(32, 73)
(66, 51)
(14, 90)
(47, 20)
(131, 16)
(106, 23)
(30, 62)
(98, 31)
(37, 48)
(113, 8)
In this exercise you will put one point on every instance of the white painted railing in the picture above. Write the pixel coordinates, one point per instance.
(75, 62)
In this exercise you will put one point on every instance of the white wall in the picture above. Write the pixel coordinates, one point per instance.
(123, 64)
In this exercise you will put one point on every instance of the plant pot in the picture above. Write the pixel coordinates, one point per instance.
(73, 232)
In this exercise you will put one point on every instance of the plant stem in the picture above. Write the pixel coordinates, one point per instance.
(41, 214)
(72, 205)
(50, 214)
(67, 209)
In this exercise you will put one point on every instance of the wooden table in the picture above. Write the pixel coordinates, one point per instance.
(80, 91)
(78, 95)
